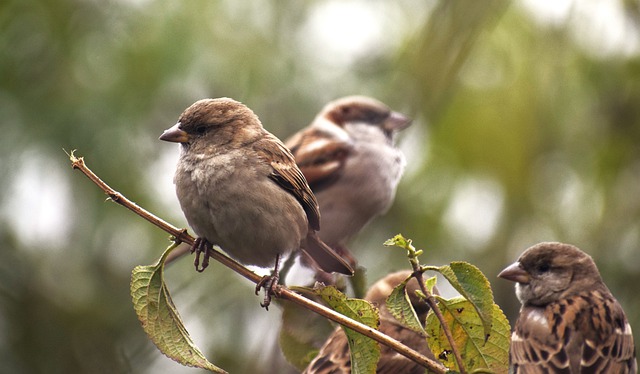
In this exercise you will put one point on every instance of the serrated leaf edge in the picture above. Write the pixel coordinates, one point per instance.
(411, 321)
(142, 278)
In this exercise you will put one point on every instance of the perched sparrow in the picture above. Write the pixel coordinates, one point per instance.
(240, 189)
(569, 321)
(349, 159)
(334, 356)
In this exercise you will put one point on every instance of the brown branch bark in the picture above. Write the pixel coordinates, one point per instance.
(282, 292)
(418, 274)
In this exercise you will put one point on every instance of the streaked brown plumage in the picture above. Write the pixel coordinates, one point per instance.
(334, 357)
(569, 321)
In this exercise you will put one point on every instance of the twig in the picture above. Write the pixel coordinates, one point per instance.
(282, 292)
(418, 274)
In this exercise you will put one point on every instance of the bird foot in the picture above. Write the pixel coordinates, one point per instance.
(269, 283)
(200, 246)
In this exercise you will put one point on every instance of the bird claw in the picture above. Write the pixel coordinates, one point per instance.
(269, 283)
(200, 246)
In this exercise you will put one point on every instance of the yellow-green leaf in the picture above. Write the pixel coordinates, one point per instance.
(468, 333)
(473, 285)
(365, 352)
(430, 283)
(400, 307)
(160, 319)
(398, 241)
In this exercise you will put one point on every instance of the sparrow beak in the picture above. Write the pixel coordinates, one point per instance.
(175, 134)
(396, 121)
(515, 273)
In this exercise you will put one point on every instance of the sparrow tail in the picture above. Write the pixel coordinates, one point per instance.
(325, 257)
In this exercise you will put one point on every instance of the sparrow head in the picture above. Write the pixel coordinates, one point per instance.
(380, 291)
(361, 110)
(214, 122)
(551, 271)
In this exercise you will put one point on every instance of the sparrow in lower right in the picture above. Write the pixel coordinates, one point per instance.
(569, 321)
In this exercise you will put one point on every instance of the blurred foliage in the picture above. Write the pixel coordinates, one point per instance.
(526, 130)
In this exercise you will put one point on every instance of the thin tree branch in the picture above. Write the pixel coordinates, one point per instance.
(282, 292)
(418, 274)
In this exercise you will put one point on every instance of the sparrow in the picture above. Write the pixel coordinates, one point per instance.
(334, 356)
(351, 163)
(240, 189)
(569, 321)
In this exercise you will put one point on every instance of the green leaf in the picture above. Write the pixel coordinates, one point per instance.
(402, 242)
(359, 282)
(430, 283)
(467, 330)
(398, 241)
(159, 316)
(469, 281)
(302, 332)
(365, 352)
(400, 307)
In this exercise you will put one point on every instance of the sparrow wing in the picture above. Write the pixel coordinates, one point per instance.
(320, 155)
(288, 176)
(608, 345)
(583, 333)
(390, 361)
(536, 343)
(334, 356)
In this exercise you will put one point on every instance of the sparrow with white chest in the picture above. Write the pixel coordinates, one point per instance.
(351, 163)
(569, 321)
(240, 189)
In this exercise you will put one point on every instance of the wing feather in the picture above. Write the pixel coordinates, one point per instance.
(586, 333)
(320, 155)
(288, 175)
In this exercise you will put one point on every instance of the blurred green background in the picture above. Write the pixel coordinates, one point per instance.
(527, 129)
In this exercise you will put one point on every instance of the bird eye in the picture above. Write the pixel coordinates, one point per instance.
(201, 129)
(543, 268)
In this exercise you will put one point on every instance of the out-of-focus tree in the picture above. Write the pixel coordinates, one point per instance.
(527, 129)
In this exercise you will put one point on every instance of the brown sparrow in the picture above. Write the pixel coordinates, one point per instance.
(334, 355)
(569, 321)
(240, 189)
(349, 159)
